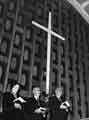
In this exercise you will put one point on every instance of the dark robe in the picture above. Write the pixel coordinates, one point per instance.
(31, 106)
(10, 112)
(55, 113)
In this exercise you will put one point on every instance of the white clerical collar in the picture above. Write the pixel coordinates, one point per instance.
(36, 97)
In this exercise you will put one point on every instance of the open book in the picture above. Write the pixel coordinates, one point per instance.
(19, 99)
(65, 105)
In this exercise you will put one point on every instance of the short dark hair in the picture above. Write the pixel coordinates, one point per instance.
(12, 84)
(35, 86)
(60, 87)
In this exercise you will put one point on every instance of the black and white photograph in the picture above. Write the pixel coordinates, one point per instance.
(44, 61)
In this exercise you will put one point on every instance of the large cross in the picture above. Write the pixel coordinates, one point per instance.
(50, 32)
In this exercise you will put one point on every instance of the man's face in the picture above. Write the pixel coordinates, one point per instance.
(58, 92)
(36, 91)
(15, 88)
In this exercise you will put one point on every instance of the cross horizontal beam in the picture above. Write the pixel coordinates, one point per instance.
(47, 30)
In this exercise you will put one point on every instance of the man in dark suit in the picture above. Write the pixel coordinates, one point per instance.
(12, 109)
(35, 108)
(58, 110)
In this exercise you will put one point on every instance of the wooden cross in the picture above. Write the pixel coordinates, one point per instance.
(50, 32)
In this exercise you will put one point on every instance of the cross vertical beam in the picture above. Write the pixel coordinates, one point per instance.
(48, 55)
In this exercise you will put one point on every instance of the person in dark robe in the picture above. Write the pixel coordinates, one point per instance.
(35, 108)
(12, 106)
(58, 109)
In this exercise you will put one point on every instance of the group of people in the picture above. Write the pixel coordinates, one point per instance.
(17, 108)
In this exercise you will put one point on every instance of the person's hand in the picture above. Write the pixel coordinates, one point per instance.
(38, 110)
(43, 110)
(18, 106)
